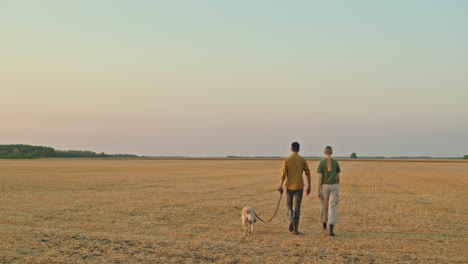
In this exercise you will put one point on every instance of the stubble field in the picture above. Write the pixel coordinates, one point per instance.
(188, 211)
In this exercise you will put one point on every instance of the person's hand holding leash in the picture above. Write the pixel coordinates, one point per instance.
(280, 190)
(308, 191)
(319, 195)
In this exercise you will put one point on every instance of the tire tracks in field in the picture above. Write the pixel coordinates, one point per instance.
(249, 185)
(371, 180)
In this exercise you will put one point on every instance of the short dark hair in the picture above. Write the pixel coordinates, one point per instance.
(295, 146)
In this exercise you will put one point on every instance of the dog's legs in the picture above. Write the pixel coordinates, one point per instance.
(243, 224)
(251, 228)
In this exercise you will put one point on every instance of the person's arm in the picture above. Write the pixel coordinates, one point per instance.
(319, 182)
(284, 173)
(319, 186)
(280, 188)
(338, 171)
(307, 173)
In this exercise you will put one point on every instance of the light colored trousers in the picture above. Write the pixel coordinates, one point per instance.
(331, 198)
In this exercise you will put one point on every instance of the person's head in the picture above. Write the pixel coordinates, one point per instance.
(328, 152)
(295, 147)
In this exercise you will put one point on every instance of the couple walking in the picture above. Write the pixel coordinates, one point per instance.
(328, 173)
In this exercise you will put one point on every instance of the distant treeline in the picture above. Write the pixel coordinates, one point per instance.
(35, 152)
(89, 154)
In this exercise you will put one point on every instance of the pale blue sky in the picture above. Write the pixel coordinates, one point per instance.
(217, 78)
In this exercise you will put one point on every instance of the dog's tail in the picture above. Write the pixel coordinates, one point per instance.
(254, 215)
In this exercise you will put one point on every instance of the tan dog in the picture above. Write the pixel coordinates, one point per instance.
(248, 219)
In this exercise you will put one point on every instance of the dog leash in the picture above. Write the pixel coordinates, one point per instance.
(279, 201)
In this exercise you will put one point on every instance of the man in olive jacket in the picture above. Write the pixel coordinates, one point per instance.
(293, 167)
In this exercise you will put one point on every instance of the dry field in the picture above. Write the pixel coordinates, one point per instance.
(188, 211)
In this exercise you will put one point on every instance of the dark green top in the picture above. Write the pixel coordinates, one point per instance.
(329, 177)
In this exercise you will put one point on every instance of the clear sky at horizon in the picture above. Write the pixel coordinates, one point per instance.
(218, 78)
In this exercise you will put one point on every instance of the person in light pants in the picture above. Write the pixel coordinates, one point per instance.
(328, 192)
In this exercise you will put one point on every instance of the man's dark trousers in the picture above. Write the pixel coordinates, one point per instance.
(296, 213)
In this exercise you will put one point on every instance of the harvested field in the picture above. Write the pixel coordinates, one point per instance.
(188, 211)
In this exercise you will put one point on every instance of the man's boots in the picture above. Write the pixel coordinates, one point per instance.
(331, 231)
(291, 221)
(296, 226)
(325, 226)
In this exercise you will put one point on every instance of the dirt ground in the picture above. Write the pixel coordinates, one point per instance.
(189, 211)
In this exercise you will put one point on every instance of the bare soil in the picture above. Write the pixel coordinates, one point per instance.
(189, 211)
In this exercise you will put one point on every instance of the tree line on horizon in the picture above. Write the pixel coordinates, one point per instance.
(20, 151)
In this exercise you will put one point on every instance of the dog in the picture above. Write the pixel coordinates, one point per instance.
(248, 219)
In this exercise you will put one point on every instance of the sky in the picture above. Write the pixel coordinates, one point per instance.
(217, 78)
